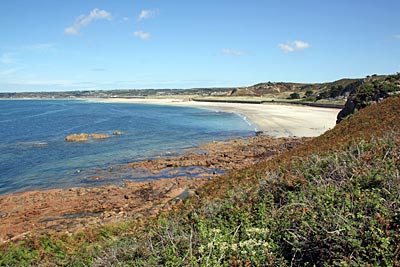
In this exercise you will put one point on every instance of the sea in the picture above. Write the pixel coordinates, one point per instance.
(35, 156)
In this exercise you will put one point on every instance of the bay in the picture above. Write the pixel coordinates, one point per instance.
(34, 154)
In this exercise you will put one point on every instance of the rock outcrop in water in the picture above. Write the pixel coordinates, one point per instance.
(99, 136)
(83, 137)
(117, 133)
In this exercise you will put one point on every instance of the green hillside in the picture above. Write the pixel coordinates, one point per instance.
(333, 201)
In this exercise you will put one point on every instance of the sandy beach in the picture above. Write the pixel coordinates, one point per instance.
(275, 120)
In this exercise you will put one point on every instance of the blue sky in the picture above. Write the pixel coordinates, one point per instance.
(48, 45)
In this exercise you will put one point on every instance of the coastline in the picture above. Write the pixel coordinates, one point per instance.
(276, 120)
(69, 210)
(31, 212)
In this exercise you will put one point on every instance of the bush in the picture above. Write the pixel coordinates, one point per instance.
(309, 93)
(294, 96)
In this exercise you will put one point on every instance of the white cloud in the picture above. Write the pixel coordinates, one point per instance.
(295, 46)
(146, 14)
(142, 35)
(229, 51)
(300, 45)
(85, 20)
(397, 36)
(286, 48)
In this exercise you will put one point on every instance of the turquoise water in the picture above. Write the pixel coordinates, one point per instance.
(34, 154)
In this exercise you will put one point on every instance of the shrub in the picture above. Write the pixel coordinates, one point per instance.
(294, 96)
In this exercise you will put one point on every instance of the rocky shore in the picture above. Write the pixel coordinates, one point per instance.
(72, 209)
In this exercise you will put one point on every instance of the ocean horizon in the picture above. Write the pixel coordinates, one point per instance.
(35, 156)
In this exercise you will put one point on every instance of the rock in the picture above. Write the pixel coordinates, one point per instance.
(118, 133)
(347, 110)
(99, 136)
(82, 137)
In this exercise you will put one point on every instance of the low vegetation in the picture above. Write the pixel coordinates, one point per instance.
(334, 201)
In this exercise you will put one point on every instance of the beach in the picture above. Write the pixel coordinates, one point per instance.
(69, 210)
(275, 120)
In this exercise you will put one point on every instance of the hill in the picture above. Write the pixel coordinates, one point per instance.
(328, 94)
(317, 91)
(330, 202)
(276, 88)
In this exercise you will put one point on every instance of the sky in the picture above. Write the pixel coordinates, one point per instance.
(49, 45)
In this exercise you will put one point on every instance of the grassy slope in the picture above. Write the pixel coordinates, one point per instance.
(333, 201)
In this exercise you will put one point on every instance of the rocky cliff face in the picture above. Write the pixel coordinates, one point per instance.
(368, 91)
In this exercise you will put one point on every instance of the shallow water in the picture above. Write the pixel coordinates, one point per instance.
(34, 154)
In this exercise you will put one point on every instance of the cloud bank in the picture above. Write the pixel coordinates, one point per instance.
(295, 46)
(84, 20)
